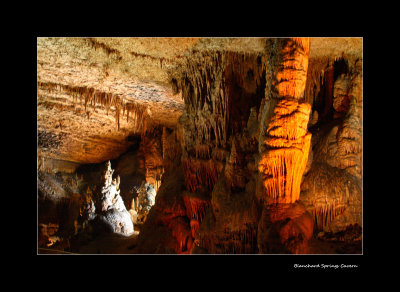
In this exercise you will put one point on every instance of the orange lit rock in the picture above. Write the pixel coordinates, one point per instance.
(228, 163)
(286, 152)
(150, 157)
(284, 228)
(200, 172)
(167, 221)
(292, 71)
(181, 231)
(196, 206)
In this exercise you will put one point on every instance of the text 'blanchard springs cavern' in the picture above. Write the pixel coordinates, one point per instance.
(199, 145)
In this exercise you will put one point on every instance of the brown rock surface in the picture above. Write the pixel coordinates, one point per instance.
(92, 134)
(333, 197)
(285, 228)
(235, 134)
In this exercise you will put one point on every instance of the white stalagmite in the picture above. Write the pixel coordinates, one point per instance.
(113, 211)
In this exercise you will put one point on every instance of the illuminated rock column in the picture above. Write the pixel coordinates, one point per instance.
(286, 141)
(292, 66)
(285, 226)
(287, 145)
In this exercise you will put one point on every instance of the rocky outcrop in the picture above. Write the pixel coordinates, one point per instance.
(220, 133)
(145, 200)
(151, 155)
(109, 206)
(86, 110)
(167, 228)
(333, 197)
(285, 228)
(332, 190)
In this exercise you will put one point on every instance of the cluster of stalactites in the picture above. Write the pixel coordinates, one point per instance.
(315, 78)
(321, 74)
(107, 49)
(205, 80)
(234, 173)
(203, 151)
(211, 130)
(154, 175)
(287, 146)
(199, 172)
(326, 212)
(196, 209)
(171, 148)
(91, 97)
(151, 153)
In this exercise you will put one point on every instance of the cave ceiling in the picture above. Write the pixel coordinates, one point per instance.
(136, 70)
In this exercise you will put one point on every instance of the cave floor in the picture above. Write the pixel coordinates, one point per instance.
(110, 244)
(116, 244)
(119, 244)
(318, 246)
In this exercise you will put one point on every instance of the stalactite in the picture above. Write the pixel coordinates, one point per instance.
(325, 213)
(99, 45)
(220, 154)
(315, 75)
(206, 80)
(181, 231)
(164, 142)
(194, 226)
(196, 208)
(202, 151)
(93, 97)
(200, 173)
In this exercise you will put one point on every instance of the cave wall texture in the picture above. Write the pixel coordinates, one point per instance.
(254, 145)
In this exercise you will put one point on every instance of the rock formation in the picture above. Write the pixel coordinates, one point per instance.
(285, 225)
(110, 208)
(332, 190)
(231, 145)
(144, 201)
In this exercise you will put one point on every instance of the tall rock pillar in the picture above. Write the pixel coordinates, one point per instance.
(285, 226)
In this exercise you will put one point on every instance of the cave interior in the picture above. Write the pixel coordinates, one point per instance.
(177, 145)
